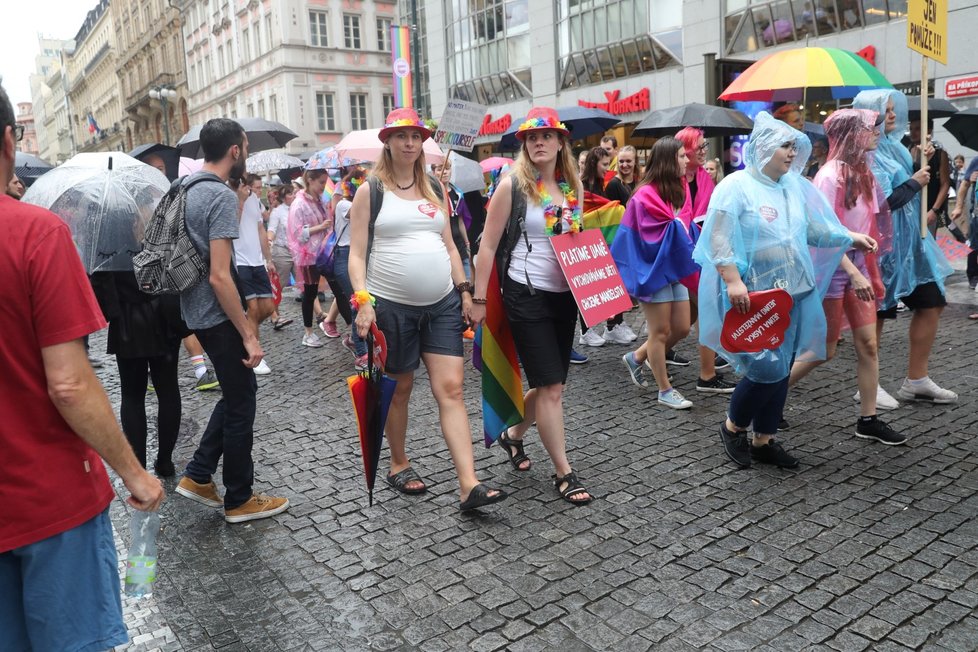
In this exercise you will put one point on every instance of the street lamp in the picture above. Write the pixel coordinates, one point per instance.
(163, 93)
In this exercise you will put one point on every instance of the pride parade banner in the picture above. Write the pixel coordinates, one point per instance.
(401, 64)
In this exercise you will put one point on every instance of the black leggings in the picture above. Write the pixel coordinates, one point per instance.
(309, 294)
(132, 413)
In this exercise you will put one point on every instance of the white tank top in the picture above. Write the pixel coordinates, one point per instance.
(541, 265)
(409, 262)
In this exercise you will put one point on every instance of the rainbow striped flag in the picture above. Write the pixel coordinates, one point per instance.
(494, 355)
(600, 213)
(330, 188)
(401, 64)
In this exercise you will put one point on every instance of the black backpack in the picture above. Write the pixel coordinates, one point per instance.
(169, 263)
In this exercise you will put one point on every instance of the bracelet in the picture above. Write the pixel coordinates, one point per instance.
(361, 298)
(479, 301)
(465, 286)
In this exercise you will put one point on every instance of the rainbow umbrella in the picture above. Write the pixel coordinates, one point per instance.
(371, 391)
(803, 74)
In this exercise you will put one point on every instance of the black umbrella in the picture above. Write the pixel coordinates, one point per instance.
(29, 167)
(713, 120)
(582, 122)
(262, 134)
(937, 107)
(170, 156)
(963, 125)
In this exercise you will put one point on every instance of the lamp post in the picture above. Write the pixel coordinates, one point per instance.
(163, 93)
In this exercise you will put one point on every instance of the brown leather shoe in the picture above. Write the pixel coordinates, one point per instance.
(258, 506)
(205, 494)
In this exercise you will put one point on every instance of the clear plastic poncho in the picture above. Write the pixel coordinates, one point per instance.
(912, 260)
(779, 234)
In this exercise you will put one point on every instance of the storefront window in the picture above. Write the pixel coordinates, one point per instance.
(485, 38)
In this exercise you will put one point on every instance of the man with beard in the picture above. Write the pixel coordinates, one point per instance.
(213, 309)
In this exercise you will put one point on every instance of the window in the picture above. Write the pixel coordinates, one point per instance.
(230, 53)
(273, 107)
(261, 109)
(384, 34)
(325, 114)
(351, 32)
(246, 44)
(388, 104)
(220, 61)
(358, 111)
(251, 109)
(317, 28)
(268, 32)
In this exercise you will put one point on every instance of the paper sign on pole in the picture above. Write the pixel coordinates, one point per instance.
(459, 125)
(927, 28)
(586, 262)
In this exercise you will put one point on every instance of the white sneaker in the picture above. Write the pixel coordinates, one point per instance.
(644, 331)
(883, 399)
(262, 369)
(591, 338)
(312, 341)
(925, 390)
(674, 399)
(627, 330)
(616, 335)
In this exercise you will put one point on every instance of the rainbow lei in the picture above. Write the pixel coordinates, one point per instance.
(362, 298)
(554, 213)
(541, 123)
(405, 122)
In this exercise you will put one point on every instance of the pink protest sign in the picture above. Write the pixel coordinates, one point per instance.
(593, 277)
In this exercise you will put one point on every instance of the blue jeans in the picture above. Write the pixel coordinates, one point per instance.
(230, 431)
(341, 263)
(759, 403)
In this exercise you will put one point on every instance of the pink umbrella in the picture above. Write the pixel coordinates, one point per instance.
(365, 145)
(494, 163)
(189, 165)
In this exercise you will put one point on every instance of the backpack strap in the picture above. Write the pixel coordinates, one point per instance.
(515, 228)
(376, 202)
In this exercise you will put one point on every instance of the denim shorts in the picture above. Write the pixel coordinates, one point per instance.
(668, 294)
(62, 593)
(413, 330)
(255, 283)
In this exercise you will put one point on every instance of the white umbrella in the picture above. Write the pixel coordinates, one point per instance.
(106, 198)
(466, 173)
(365, 145)
(264, 162)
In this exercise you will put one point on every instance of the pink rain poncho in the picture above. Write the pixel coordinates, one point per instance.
(779, 234)
(305, 212)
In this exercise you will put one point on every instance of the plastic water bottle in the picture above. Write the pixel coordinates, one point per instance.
(141, 561)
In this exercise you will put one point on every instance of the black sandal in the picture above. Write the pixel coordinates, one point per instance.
(281, 323)
(479, 497)
(514, 450)
(574, 488)
(401, 480)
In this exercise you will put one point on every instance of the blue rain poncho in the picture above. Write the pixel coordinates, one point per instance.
(780, 234)
(912, 260)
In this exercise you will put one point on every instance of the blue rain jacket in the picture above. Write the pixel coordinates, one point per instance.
(780, 234)
(912, 260)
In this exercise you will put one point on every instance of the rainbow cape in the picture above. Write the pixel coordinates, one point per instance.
(600, 213)
(494, 354)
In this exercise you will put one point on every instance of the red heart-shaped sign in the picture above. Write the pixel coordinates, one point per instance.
(428, 209)
(762, 327)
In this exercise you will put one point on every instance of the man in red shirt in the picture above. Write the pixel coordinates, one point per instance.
(59, 581)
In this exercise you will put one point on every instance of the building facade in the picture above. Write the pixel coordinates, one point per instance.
(25, 117)
(151, 68)
(46, 60)
(94, 92)
(634, 56)
(321, 67)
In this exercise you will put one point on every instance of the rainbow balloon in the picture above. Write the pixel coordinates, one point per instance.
(401, 65)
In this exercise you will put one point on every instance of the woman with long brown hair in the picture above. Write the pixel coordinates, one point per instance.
(539, 305)
(414, 288)
(308, 226)
(654, 253)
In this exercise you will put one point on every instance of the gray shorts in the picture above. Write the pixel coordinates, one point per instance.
(413, 330)
(668, 294)
(282, 258)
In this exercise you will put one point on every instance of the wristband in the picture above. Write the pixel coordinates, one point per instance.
(479, 301)
(361, 298)
(465, 286)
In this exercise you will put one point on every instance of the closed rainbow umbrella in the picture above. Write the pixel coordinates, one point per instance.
(805, 74)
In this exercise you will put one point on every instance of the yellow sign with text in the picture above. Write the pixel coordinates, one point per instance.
(927, 28)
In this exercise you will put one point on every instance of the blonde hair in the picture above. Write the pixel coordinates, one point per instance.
(384, 171)
(524, 173)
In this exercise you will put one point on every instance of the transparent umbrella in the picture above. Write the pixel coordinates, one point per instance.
(270, 161)
(467, 174)
(105, 198)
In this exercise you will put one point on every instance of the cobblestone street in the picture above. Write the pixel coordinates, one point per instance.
(863, 547)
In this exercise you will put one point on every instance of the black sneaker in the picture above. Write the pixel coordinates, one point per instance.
(716, 385)
(783, 425)
(676, 360)
(878, 430)
(736, 446)
(719, 364)
(773, 453)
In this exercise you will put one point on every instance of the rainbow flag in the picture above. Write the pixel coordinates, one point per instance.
(600, 213)
(401, 64)
(330, 188)
(495, 356)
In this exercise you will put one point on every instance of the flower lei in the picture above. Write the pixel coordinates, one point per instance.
(541, 123)
(403, 122)
(553, 214)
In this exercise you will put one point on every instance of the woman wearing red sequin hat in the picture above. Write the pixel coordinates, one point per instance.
(540, 198)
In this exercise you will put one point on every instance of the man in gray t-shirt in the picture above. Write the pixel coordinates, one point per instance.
(212, 308)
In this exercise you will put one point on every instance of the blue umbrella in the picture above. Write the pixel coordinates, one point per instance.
(328, 159)
(581, 121)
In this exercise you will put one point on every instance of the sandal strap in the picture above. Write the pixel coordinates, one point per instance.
(573, 484)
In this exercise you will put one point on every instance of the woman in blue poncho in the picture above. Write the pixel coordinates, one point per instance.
(759, 227)
(914, 269)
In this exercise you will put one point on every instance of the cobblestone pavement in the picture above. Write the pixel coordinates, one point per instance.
(863, 547)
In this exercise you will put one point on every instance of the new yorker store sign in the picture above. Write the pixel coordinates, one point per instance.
(615, 105)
